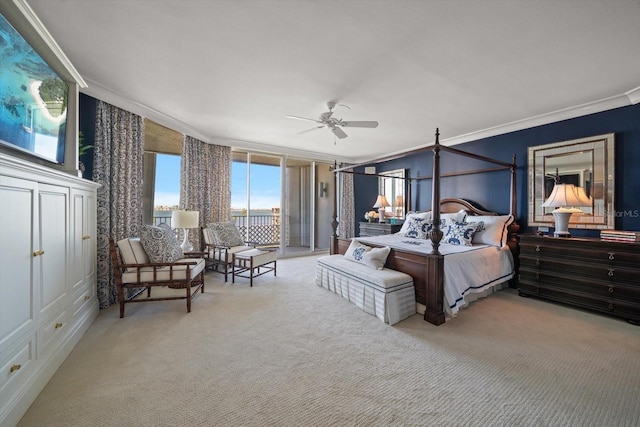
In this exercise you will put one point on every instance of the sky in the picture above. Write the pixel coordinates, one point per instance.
(265, 184)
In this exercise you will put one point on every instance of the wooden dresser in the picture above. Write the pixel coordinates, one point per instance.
(590, 273)
(377, 228)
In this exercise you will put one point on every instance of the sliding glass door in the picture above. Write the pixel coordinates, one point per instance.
(282, 202)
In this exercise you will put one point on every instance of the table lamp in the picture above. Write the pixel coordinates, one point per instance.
(565, 198)
(399, 204)
(186, 220)
(381, 204)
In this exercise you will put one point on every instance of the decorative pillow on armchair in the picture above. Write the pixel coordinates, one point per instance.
(461, 233)
(160, 244)
(226, 234)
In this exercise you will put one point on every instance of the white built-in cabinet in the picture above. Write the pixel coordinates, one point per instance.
(47, 276)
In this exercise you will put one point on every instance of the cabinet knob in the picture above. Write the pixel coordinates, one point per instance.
(610, 306)
(537, 276)
(610, 289)
(58, 325)
(15, 367)
(38, 252)
(611, 270)
(537, 248)
(86, 237)
(611, 255)
(537, 262)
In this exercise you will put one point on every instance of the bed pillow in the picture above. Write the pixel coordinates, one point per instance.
(363, 254)
(457, 216)
(494, 231)
(461, 233)
(409, 217)
(420, 228)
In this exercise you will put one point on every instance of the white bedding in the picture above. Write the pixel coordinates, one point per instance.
(470, 272)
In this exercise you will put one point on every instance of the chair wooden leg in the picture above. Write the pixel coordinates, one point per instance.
(189, 298)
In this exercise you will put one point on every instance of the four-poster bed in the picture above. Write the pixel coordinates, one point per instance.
(427, 269)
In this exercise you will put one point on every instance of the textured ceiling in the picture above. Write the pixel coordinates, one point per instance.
(229, 71)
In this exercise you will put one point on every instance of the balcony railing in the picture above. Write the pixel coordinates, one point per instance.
(263, 229)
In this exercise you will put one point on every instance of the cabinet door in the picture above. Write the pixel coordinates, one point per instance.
(53, 220)
(83, 248)
(18, 237)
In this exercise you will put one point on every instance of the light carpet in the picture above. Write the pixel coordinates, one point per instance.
(289, 353)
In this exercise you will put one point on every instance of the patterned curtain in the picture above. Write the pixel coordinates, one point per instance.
(346, 217)
(205, 182)
(117, 167)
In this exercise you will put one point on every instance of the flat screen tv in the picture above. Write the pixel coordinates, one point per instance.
(33, 99)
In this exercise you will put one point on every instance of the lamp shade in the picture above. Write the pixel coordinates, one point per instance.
(583, 196)
(565, 195)
(399, 201)
(185, 219)
(381, 202)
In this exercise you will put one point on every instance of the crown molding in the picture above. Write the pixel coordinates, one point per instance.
(48, 40)
(634, 95)
(598, 106)
(279, 150)
(631, 97)
(99, 92)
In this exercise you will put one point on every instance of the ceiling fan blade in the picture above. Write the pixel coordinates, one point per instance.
(303, 118)
(338, 132)
(309, 130)
(359, 124)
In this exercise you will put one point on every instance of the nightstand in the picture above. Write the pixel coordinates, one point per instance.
(591, 273)
(377, 228)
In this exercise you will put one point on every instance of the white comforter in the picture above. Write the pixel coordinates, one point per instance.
(470, 272)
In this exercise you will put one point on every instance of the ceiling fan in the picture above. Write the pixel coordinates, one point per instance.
(334, 125)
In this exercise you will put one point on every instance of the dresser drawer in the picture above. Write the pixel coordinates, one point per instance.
(590, 273)
(601, 289)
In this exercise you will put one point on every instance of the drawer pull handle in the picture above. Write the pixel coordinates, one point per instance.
(38, 252)
(86, 237)
(610, 306)
(611, 270)
(537, 262)
(610, 289)
(537, 276)
(537, 248)
(87, 297)
(58, 326)
(14, 368)
(611, 255)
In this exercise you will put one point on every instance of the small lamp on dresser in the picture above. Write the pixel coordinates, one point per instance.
(565, 198)
(381, 204)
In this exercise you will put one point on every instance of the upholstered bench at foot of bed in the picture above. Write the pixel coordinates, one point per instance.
(387, 294)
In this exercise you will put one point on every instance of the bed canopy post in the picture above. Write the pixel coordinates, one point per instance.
(334, 223)
(436, 233)
(514, 200)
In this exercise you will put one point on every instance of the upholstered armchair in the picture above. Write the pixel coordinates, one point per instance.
(155, 259)
(221, 241)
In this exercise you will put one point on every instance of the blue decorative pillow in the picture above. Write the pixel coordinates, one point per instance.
(160, 244)
(461, 233)
(419, 228)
